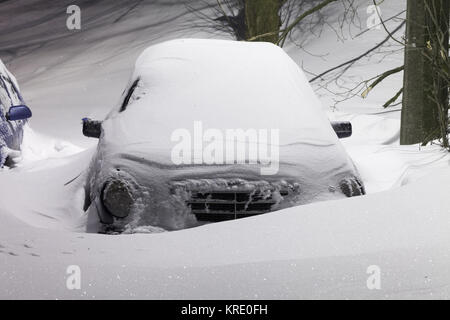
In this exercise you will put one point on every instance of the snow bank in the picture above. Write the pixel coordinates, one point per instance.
(320, 250)
(224, 84)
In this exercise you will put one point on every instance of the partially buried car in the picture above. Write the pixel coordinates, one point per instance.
(212, 130)
(13, 115)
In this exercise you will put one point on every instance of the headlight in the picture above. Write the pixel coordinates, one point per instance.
(117, 198)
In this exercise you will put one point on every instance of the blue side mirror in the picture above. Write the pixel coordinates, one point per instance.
(16, 113)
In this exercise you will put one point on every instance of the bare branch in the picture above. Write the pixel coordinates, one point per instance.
(352, 61)
(384, 25)
(286, 32)
(393, 99)
(380, 78)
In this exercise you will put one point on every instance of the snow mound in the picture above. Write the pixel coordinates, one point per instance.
(37, 147)
(225, 84)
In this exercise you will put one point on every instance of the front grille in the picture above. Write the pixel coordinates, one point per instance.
(232, 200)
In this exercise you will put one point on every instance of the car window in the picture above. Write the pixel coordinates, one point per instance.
(126, 101)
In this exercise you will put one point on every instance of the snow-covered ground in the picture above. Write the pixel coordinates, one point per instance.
(321, 250)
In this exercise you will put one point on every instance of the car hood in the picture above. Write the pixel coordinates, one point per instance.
(308, 163)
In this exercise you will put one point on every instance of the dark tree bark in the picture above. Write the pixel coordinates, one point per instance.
(425, 97)
(262, 17)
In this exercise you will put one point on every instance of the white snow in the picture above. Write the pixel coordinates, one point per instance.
(320, 250)
(223, 84)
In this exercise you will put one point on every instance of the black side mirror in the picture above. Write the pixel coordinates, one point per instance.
(16, 113)
(343, 129)
(91, 128)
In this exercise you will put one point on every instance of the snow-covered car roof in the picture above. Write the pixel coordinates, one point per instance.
(224, 84)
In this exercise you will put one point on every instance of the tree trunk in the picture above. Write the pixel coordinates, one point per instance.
(262, 17)
(425, 97)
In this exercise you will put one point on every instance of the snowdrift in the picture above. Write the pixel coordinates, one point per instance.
(307, 252)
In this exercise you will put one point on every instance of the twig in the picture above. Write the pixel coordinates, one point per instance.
(352, 61)
(393, 99)
(380, 78)
(301, 17)
(389, 19)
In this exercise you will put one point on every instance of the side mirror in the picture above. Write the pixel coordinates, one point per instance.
(16, 113)
(343, 129)
(91, 128)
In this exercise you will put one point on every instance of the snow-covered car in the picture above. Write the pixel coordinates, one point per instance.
(13, 115)
(167, 154)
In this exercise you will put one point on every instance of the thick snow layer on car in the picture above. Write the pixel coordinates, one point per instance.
(223, 84)
(197, 85)
(322, 250)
